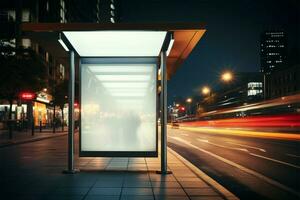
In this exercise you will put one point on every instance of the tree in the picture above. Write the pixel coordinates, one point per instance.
(60, 98)
(24, 71)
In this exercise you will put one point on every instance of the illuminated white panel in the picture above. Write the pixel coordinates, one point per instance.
(170, 46)
(118, 103)
(115, 90)
(127, 94)
(116, 43)
(124, 85)
(124, 68)
(123, 77)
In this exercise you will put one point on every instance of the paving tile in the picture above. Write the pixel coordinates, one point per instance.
(137, 191)
(166, 197)
(63, 197)
(159, 177)
(140, 160)
(193, 184)
(130, 164)
(169, 191)
(70, 191)
(188, 179)
(71, 183)
(29, 190)
(39, 176)
(109, 183)
(183, 174)
(116, 168)
(102, 197)
(22, 197)
(108, 177)
(207, 198)
(139, 169)
(105, 191)
(201, 192)
(144, 184)
(137, 177)
(137, 197)
(165, 184)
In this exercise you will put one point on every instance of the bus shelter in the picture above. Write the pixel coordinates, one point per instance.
(123, 73)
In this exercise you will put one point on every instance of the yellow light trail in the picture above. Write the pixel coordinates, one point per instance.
(245, 133)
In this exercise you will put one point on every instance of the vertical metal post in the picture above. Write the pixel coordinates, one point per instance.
(31, 116)
(265, 88)
(163, 116)
(71, 92)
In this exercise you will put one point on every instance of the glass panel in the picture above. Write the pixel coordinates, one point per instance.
(118, 107)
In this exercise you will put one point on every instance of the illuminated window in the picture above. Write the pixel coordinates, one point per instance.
(254, 84)
(25, 16)
(254, 92)
(62, 71)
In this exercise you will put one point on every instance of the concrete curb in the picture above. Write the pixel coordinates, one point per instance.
(30, 140)
(226, 193)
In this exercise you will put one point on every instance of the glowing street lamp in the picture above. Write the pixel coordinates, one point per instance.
(189, 100)
(205, 90)
(227, 76)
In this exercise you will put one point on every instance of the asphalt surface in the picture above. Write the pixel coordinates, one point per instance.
(251, 168)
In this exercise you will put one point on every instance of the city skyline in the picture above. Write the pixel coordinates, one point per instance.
(233, 40)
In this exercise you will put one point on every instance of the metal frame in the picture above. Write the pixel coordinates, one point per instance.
(163, 118)
(131, 60)
(163, 109)
(71, 97)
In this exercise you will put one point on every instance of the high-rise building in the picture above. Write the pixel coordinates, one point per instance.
(96, 11)
(280, 76)
(273, 51)
(15, 12)
(13, 42)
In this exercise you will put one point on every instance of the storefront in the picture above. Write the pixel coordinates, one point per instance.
(19, 114)
(42, 110)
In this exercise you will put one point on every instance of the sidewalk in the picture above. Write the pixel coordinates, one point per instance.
(33, 171)
(136, 178)
(26, 136)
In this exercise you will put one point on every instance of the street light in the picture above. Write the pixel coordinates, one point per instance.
(205, 90)
(227, 76)
(189, 100)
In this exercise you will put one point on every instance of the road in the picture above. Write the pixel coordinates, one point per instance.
(250, 167)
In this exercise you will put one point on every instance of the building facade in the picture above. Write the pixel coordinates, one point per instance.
(281, 77)
(12, 15)
(95, 11)
(245, 88)
(273, 51)
(284, 82)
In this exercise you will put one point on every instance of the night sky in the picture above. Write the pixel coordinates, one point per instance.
(232, 39)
